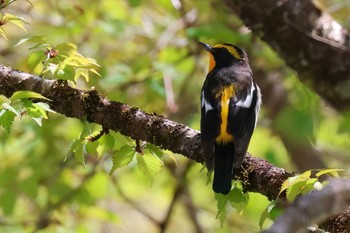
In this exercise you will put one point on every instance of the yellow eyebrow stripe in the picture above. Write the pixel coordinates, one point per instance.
(230, 49)
(226, 94)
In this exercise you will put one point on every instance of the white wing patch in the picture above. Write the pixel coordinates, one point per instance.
(248, 100)
(258, 103)
(205, 104)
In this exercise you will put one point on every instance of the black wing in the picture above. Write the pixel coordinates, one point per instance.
(241, 122)
(210, 122)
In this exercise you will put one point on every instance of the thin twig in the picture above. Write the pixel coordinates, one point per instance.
(132, 202)
(179, 189)
(192, 210)
(313, 35)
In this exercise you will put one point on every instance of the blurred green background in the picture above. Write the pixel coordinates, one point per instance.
(150, 58)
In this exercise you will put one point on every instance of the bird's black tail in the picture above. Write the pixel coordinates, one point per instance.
(223, 168)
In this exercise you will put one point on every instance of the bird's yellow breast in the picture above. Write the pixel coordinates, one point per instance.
(225, 94)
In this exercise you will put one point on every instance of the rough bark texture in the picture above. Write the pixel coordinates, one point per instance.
(315, 207)
(307, 39)
(339, 223)
(258, 175)
(313, 44)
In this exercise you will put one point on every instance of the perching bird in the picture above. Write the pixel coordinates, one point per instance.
(230, 102)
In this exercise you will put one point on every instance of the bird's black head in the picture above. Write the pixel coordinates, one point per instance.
(224, 55)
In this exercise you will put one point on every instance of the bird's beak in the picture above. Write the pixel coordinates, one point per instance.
(206, 47)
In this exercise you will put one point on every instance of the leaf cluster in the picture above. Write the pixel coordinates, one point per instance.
(295, 186)
(21, 104)
(62, 61)
(148, 158)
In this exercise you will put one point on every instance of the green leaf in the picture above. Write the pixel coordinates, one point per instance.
(122, 157)
(306, 174)
(42, 111)
(45, 107)
(66, 64)
(295, 179)
(238, 199)
(275, 212)
(35, 60)
(35, 39)
(26, 95)
(67, 73)
(332, 172)
(72, 147)
(309, 186)
(95, 71)
(271, 212)
(81, 72)
(154, 149)
(79, 153)
(79, 145)
(15, 20)
(12, 109)
(50, 69)
(284, 186)
(66, 49)
(34, 111)
(77, 65)
(38, 120)
(221, 205)
(294, 190)
(86, 130)
(149, 164)
(31, 110)
(266, 214)
(235, 197)
(6, 119)
(91, 147)
(105, 144)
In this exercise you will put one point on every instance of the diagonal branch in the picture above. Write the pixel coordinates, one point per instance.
(95, 108)
(308, 39)
(257, 175)
(262, 176)
(315, 207)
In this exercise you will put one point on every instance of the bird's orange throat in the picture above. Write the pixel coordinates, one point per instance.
(211, 62)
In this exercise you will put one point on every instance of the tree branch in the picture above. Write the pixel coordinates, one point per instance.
(308, 40)
(315, 207)
(257, 175)
(95, 108)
